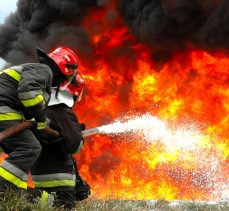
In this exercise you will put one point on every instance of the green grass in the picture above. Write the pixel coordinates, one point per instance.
(11, 201)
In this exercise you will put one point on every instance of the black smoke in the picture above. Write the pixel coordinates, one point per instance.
(45, 24)
(166, 26)
(169, 26)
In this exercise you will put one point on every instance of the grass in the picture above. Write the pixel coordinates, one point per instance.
(11, 201)
(158, 205)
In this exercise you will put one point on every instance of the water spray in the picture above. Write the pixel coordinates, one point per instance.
(151, 129)
(124, 126)
(183, 138)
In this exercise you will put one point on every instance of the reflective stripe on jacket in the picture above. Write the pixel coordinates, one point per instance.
(7, 113)
(25, 89)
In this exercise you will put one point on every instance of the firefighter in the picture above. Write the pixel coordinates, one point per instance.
(55, 171)
(24, 92)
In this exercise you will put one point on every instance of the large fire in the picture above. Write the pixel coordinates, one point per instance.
(190, 91)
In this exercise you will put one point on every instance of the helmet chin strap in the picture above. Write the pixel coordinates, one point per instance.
(57, 91)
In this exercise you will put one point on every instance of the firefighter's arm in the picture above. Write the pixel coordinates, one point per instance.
(33, 92)
(67, 124)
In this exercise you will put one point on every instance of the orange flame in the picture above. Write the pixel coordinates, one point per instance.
(190, 90)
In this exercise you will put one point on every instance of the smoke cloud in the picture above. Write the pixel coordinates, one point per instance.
(171, 25)
(167, 26)
(45, 24)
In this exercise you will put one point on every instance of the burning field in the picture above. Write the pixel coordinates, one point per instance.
(185, 156)
(160, 65)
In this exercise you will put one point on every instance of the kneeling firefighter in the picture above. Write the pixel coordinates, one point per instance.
(55, 171)
(24, 93)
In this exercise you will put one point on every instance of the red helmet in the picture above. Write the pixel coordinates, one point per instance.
(66, 60)
(75, 87)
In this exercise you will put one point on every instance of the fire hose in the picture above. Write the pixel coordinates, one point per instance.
(49, 131)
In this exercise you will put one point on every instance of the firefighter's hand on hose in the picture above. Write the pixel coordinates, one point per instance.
(40, 125)
(82, 126)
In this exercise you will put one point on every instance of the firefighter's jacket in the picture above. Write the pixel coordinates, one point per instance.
(54, 168)
(24, 92)
(67, 124)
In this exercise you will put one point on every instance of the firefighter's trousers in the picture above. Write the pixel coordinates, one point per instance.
(22, 149)
(55, 173)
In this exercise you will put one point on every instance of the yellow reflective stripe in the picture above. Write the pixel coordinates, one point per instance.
(13, 73)
(34, 101)
(44, 197)
(12, 178)
(41, 125)
(11, 116)
(55, 183)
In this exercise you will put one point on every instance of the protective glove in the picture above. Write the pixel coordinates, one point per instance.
(82, 126)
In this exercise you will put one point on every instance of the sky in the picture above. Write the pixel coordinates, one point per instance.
(6, 7)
